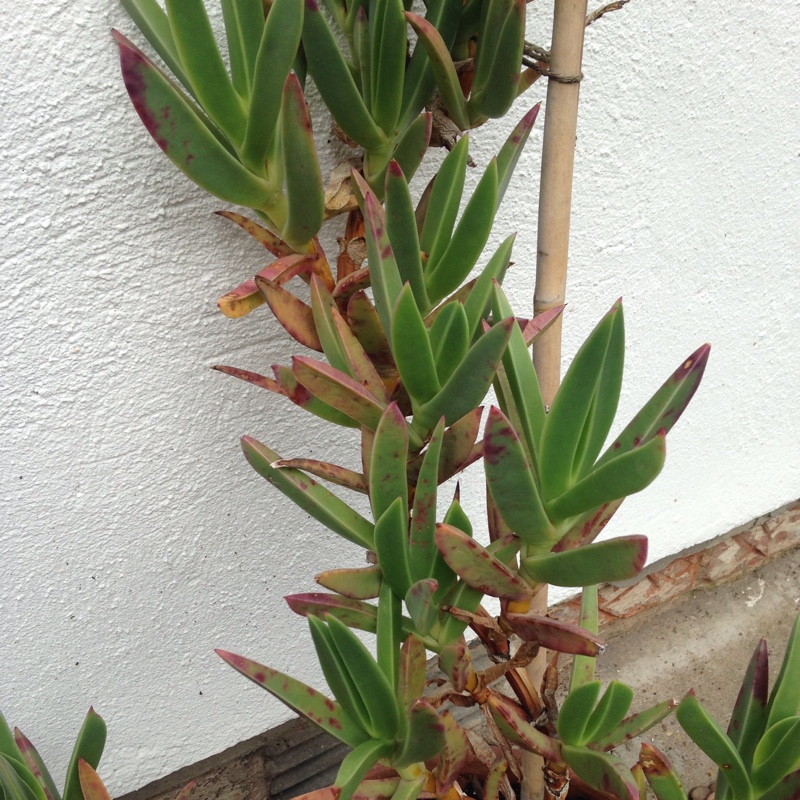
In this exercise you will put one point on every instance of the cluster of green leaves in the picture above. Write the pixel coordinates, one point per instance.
(411, 347)
(24, 775)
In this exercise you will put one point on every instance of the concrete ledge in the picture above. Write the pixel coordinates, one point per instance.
(704, 611)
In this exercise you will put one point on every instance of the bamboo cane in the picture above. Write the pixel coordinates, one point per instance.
(555, 197)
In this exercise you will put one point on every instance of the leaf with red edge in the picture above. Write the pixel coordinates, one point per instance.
(339, 391)
(358, 583)
(507, 718)
(477, 567)
(262, 381)
(454, 757)
(299, 395)
(412, 667)
(266, 238)
(353, 613)
(612, 560)
(36, 765)
(295, 315)
(341, 476)
(659, 773)
(425, 738)
(634, 725)
(553, 634)
(300, 697)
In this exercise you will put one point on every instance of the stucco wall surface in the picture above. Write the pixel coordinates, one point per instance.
(135, 538)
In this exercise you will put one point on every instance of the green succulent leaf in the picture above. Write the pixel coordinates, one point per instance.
(358, 583)
(412, 350)
(662, 779)
(450, 339)
(334, 80)
(13, 785)
(412, 144)
(353, 613)
(89, 747)
(706, 733)
(316, 500)
(583, 667)
(425, 738)
(390, 613)
(470, 381)
(512, 483)
(575, 711)
(610, 711)
(306, 201)
(412, 667)
(421, 605)
(478, 567)
(34, 762)
(634, 725)
(777, 754)
(388, 62)
(443, 68)
(387, 475)
(478, 301)
(185, 137)
(153, 22)
(204, 67)
(508, 720)
(510, 152)
(358, 763)
(244, 22)
(579, 418)
(299, 395)
(447, 272)
(391, 545)
(784, 700)
(601, 770)
(613, 560)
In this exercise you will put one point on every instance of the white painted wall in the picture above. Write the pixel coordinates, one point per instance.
(135, 538)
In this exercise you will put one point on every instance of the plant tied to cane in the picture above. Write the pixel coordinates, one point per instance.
(405, 345)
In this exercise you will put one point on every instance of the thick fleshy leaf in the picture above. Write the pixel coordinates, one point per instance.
(35, 764)
(366, 325)
(624, 475)
(389, 639)
(749, 716)
(422, 546)
(387, 474)
(450, 340)
(314, 499)
(467, 386)
(299, 395)
(459, 448)
(444, 202)
(517, 730)
(456, 663)
(388, 51)
(664, 408)
(575, 711)
(244, 23)
(425, 738)
(468, 239)
(335, 82)
(777, 754)
(353, 613)
(262, 235)
(339, 391)
(511, 150)
(787, 788)
(341, 476)
(89, 747)
(613, 560)
(376, 691)
(384, 275)
(152, 21)
(391, 545)
(454, 757)
(12, 784)
(475, 565)
(357, 764)
(784, 700)
(420, 604)
(410, 789)
(412, 144)
(411, 677)
(666, 785)
(181, 133)
(204, 67)
(706, 733)
(277, 48)
(295, 316)
(588, 527)
(494, 780)
(357, 583)
(610, 711)
(635, 725)
(412, 350)
(574, 418)
(401, 227)
(8, 745)
(601, 770)
(512, 483)
(443, 69)
(304, 190)
(554, 634)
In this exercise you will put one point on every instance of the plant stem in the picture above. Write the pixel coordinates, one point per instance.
(555, 198)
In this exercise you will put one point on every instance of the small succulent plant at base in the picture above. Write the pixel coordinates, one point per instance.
(408, 328)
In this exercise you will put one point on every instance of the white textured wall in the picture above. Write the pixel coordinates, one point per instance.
(135, 538)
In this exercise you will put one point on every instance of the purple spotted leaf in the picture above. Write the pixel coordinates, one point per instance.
(564, 637)
(506, 716)
(300, 697)
(353, 613)
(358, 583)
(341, 476)
(425, 737)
